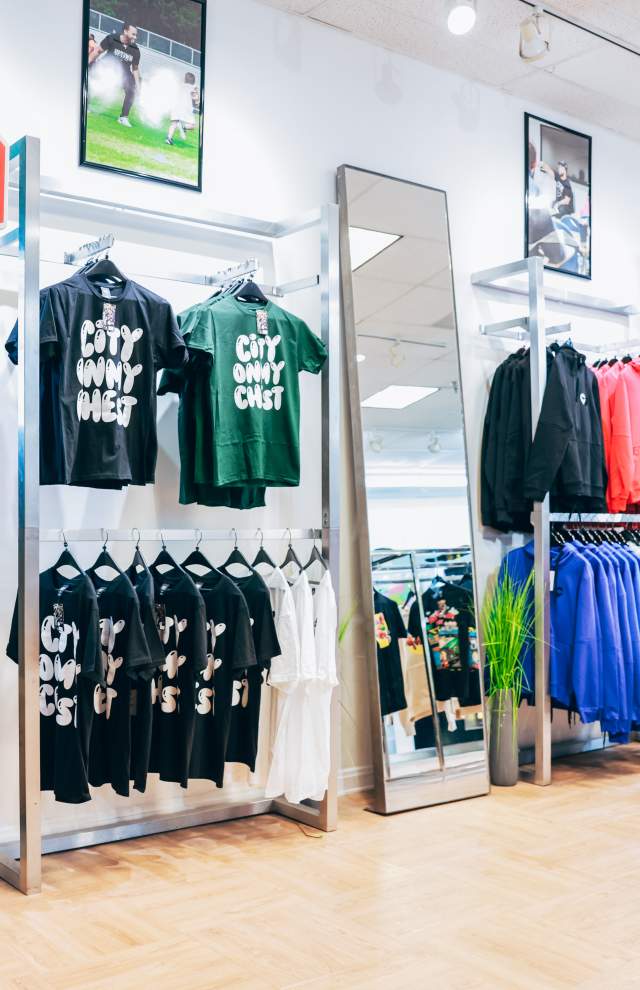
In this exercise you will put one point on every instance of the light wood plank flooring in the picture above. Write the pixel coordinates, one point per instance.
(527, 888)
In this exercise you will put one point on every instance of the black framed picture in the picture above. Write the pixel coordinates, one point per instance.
(143, 88)
(558, 209)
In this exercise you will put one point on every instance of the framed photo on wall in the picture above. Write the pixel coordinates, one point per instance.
(143, 88)
(557, 213)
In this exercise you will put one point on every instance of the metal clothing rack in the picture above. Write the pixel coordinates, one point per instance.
(532, 327)
(22, 867)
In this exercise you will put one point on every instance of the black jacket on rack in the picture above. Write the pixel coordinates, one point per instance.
(567, 455)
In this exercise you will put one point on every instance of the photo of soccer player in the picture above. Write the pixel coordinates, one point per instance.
(143, 86)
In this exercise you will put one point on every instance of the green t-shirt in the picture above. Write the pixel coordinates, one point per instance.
(256, 353)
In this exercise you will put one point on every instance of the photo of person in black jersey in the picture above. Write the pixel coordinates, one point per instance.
(122, 48)
(143, 88)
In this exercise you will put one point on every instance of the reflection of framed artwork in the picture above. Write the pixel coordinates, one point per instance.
(143, 88)
(557, 215)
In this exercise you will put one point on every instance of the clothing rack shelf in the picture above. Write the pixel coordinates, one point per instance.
(20, 865)
(584, 518)
(536, 333)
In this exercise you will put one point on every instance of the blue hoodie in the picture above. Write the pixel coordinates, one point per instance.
(575, 650)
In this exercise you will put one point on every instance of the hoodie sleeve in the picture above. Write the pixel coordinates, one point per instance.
(620, 447)
(553, 433)
(585, 672)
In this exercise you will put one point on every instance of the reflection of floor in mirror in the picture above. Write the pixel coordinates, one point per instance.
(528, 889)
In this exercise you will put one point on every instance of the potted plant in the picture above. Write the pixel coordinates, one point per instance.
(507, 624)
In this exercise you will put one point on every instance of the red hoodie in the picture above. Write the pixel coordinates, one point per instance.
(630, 452)
(616, 429)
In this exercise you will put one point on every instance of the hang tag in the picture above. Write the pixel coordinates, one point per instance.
(161, 615)
(106, 293)
(262, 321)
(109, 311)
(552, 580)
(100, 591)
(58, 615)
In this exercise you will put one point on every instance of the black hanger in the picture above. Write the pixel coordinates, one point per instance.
(196, 557)
(316, 556)
(66, 558)
(164, 557)
(251, 292)
(291, 557)
(105, 559)
(236, 556)
(138, 563)
(104, 270)
(612, 361)
(627, 359)
(262, 557)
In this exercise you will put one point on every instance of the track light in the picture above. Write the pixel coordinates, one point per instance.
(535, 36)
(461, 15)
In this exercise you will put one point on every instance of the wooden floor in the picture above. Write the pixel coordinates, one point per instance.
(527, 888)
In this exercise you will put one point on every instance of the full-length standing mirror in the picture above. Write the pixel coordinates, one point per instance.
(412, 489)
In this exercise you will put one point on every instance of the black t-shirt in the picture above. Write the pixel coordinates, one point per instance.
(242, 745)
(230, 652)
(453, 643)
(141, 701)
(389, 628)
(99, 361)
(181, 620)
(127, 56)
(564, 189)
(124, 652)
(70, 667)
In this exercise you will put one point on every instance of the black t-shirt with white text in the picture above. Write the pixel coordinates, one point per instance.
(124, 652)
(181, 618)
(100, 354)
(127, 56)
(242, 745)
(70, 667)
(230, 653)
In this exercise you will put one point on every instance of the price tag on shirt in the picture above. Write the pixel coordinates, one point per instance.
(262, 321)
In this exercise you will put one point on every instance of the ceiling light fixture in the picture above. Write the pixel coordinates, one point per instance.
(397, 396)
(461, 15)
(360, 358)
(535, 36)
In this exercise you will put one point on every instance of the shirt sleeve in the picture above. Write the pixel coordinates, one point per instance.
(312, 353)
(199, 640)
(107, 43)
(553, 433)
(399, 628)
(265, 637)
(136, 59)
(136, 649)
(91, 659)
(12, 646)
(243, 653)
(170, 349)
(48, 331)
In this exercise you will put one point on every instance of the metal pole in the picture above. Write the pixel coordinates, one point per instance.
(427, 662)
(28, 150)
(538, 358)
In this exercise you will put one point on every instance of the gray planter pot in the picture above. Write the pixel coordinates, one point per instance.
(503, 747)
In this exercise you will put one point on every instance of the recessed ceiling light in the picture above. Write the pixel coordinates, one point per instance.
(461, 15)
(398, 396)
(360, 358)
(365, 244)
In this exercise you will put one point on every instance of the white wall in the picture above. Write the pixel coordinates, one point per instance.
(286, 102)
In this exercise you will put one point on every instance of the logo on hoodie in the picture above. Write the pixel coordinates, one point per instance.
(583, 399)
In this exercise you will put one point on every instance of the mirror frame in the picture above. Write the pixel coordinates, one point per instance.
(432, 786)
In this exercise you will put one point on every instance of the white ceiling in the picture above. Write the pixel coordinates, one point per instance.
(583, 75)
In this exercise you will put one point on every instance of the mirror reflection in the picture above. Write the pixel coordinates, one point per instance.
(415, 475)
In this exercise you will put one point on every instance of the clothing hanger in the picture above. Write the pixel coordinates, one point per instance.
(66, 558)
(197, 558)
(164, 557)
(316, 557)
(236, 556)
(262, 557)
(250, 292)
(105, 271)
(105, 559)
(138, 563)
(291, 557)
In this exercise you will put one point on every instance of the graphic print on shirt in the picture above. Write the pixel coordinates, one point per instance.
(58, 674)
(170, 631)
(444, 636)
(205, 696)
(383, 636)
(105, 371)
(257, 372)
(103, 697)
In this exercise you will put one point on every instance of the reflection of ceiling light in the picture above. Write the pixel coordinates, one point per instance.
(366, 244)
(376, 443)
(535, 36)
(360, 358)
(398, 396)
(461, 16)
(433, 444)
